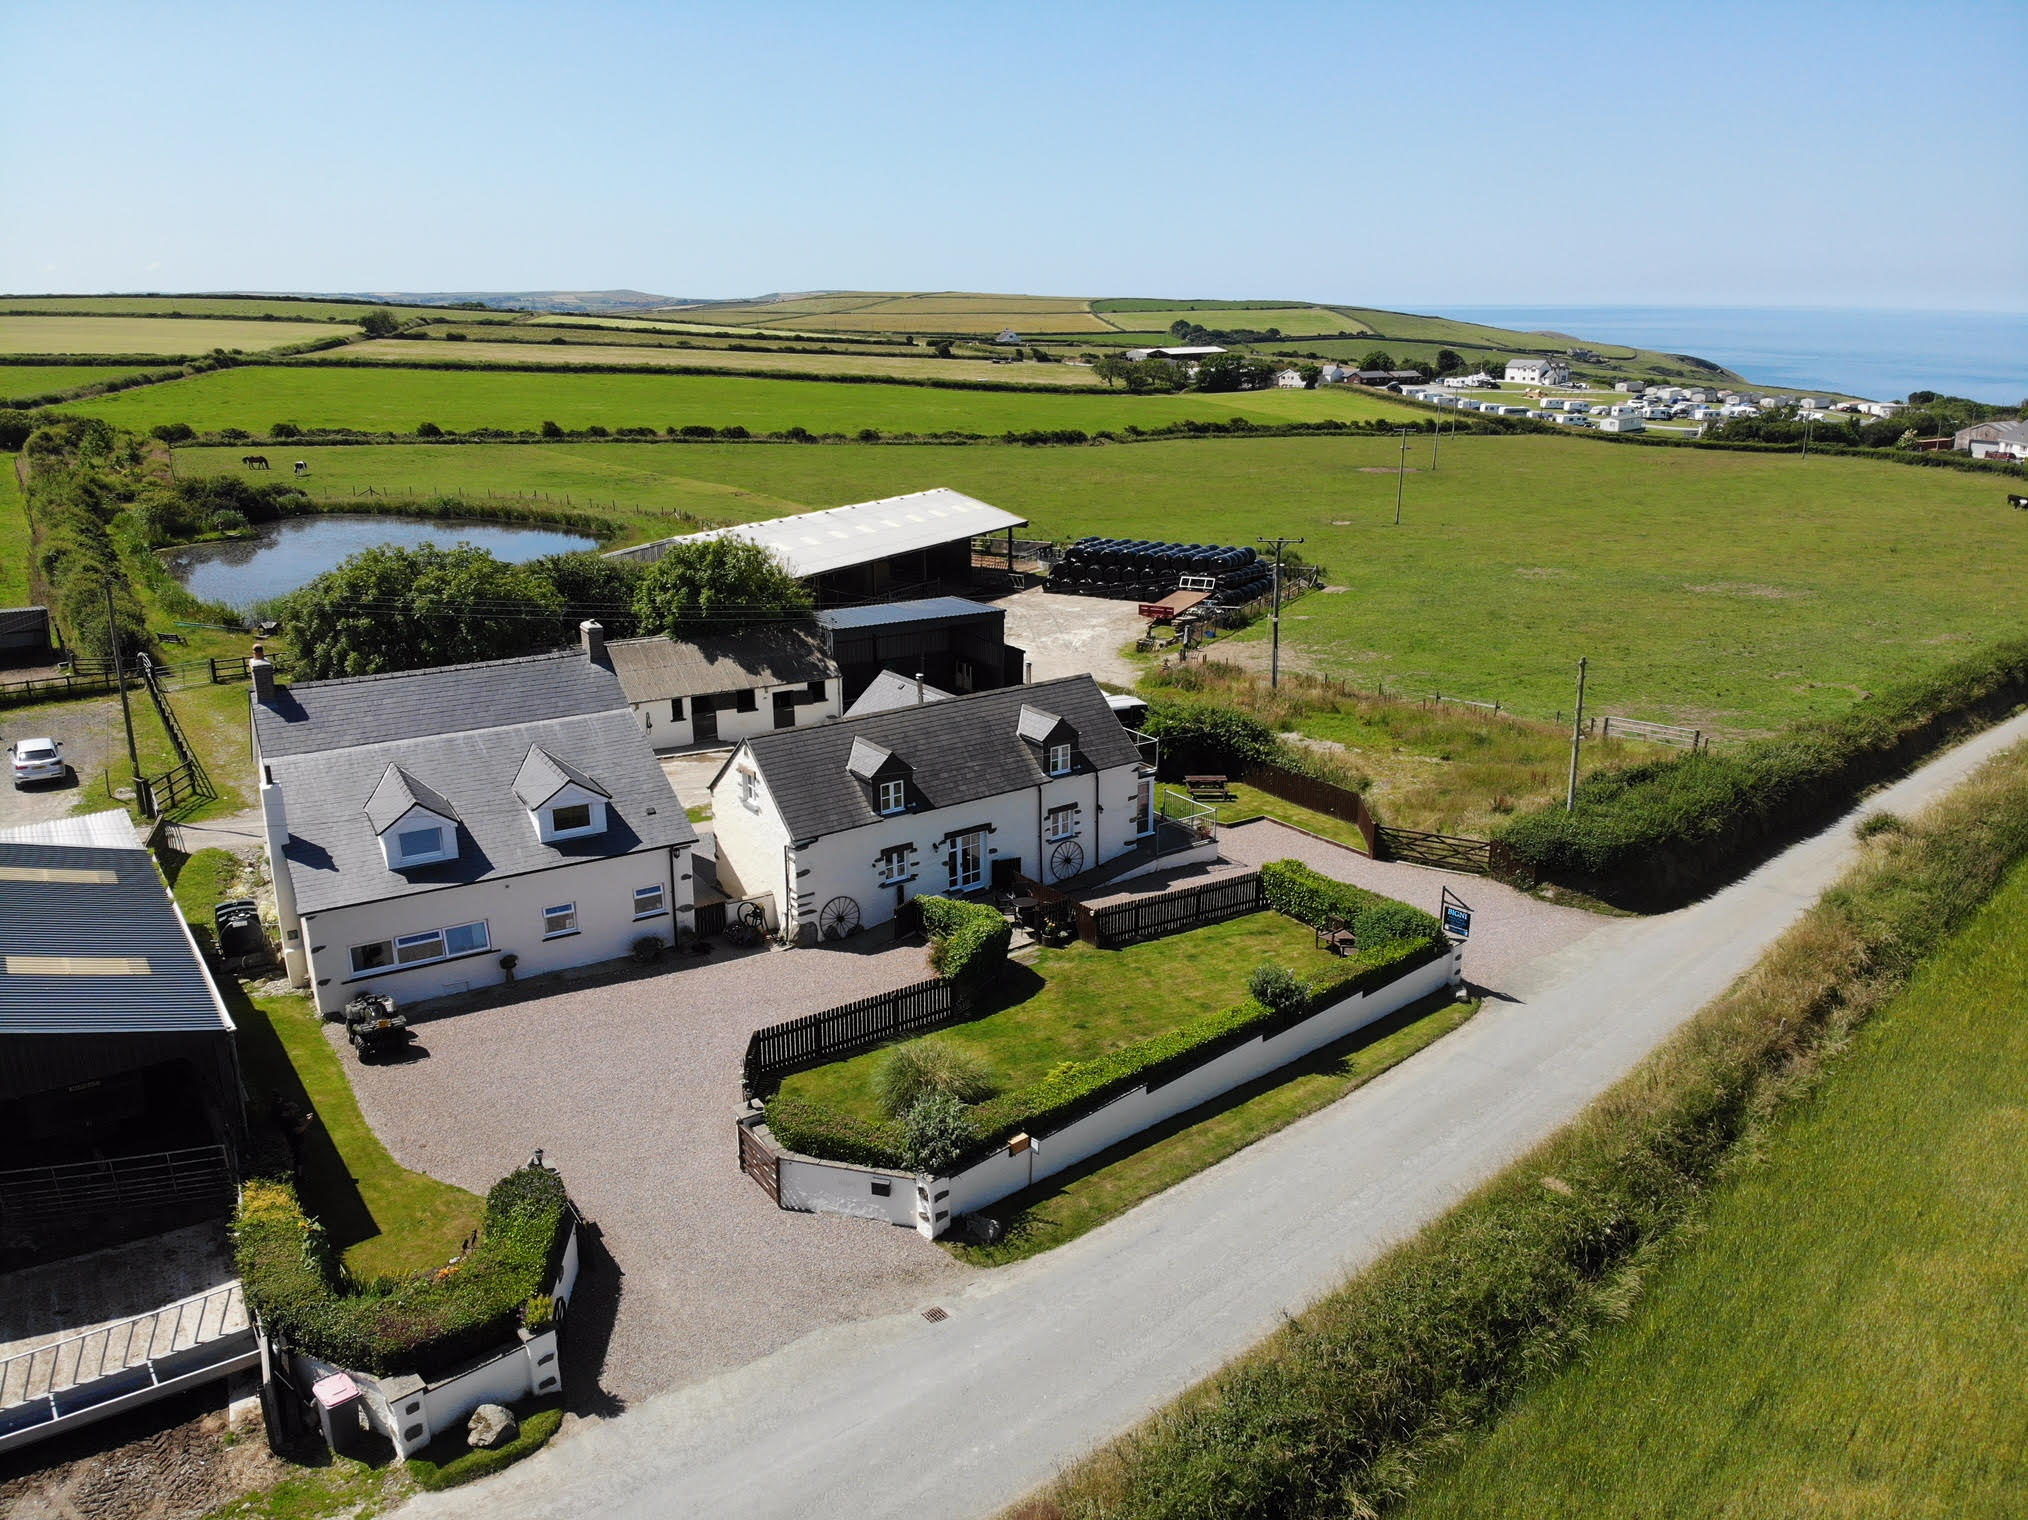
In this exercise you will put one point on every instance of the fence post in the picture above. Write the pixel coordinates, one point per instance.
(214, 670)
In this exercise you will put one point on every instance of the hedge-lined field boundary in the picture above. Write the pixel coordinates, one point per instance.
(1335, 1414)
(1658, 834)
(424, 1324)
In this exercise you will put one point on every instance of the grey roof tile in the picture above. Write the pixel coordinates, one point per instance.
(397, 792)
(891, 689)
(542, 776)
(655, 669)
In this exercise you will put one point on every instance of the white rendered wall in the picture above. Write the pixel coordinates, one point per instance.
(666, 733)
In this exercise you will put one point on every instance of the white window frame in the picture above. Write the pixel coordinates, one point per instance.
(558, 829)
(893, 796)
(431, 852)
(1061, 822)
(960, 881)
(749, 790)
(560, 921)
(1059, 759)
(896, 864)
(400, 946)
(657, 897)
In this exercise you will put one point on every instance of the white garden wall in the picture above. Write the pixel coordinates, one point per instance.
(838, 1187)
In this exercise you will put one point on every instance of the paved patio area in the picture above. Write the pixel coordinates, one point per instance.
(629, 1087)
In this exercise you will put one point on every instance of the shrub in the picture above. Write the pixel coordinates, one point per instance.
(911, 1071)
(696, 430)
(1199, 737)
(425, 1323)
(817, 1130)
(284, 430)
(1278, 989)
(968, 942)
(170, 432)
(1384, 922)
(428, 430)
(1659, 833)
(1310, 897)
(934, 1133)
(552, 430)
(1875, 824)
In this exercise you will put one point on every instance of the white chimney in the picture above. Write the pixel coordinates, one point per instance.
(592, 635)
(918, 688)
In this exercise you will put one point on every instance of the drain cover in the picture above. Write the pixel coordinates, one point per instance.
(935, 1315)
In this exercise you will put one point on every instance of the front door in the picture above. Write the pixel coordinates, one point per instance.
(967, 861)
(704, 718)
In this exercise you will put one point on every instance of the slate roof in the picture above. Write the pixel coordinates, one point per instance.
(334, 856)
(93, 945)
(959, 750)
(326, 715)
(542, 776)
(397, 793)
(921, 610)
(653, 670)
(891, 689)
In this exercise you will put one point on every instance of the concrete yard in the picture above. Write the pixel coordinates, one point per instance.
(40, 1305)
(629, 1087)
(1074, 635)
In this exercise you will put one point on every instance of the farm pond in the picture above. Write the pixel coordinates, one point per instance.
(293, 552)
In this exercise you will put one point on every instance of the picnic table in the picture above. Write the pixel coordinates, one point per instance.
(1209, 789)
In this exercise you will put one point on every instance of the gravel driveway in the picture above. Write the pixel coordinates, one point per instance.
(1510, 929)
(629, 1087)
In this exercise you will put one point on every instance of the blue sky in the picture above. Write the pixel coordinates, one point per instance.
(1403, 156)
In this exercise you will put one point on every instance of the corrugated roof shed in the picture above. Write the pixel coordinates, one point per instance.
(655, 669)
(90, 943)
(928, 609)
(110, 830)
(957, 751)
(813, 543)
(324, 715)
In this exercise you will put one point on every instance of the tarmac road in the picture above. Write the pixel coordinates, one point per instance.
(1039, 1363)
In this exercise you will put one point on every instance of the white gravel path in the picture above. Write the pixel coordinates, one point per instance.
(629, 1087)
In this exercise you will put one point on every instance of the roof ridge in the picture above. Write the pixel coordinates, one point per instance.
(567, 651)
(955, 700)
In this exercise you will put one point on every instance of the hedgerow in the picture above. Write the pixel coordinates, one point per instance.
(422, 1324)
(968, 941)
(1657, 834)
(1203, 737)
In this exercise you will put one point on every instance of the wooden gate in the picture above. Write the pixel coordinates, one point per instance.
(758, 1162)
(1447, 852)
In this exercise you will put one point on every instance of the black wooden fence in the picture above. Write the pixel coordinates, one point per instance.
(1152, 917)
(774, 1052)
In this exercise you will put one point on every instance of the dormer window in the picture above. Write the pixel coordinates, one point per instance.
(417, 825)
(1050, 739)
(1059, 759)
(882, 772)
(416, 844)
(574, 818)
(893, 796)
(562, 800)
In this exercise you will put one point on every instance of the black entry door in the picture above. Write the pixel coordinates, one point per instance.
(704, 719)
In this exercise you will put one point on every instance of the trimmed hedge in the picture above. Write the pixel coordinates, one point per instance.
(424, 1324)
(462, 1466)
(1292, 888)
(968, 941)
(1202, 737)
(1659, 834)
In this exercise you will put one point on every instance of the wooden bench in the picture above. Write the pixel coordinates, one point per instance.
(1336, 936)
(1209, 789)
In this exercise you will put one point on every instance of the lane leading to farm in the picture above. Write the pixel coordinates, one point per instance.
(1039, 1363)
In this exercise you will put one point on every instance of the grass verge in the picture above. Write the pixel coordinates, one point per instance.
(1134, 1171)
(1340, 1411)
(448, 1462)
(338, 1486)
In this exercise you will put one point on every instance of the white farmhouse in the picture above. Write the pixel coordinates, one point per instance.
(720, 688)
(847, 822)
(422, 826)
(1993, 440)
(1289, 379)
(1537, 372)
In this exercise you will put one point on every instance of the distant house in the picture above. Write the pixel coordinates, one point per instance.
(719, 688)
(1621, 425)
(1993, 440)
(1335, 374)
(1289, 379)
(1374, 376)
(848, 822)
(1537, 372)
(1008, 335)
(425, 826)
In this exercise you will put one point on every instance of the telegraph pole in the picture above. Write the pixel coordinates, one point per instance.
(1275, 659)
(120, 680)
(1400, 475)
(1576, 739)
(1436, 442)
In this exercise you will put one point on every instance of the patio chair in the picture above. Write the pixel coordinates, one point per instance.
(1336, 935)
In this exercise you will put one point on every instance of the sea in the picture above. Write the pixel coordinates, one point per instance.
(1880, 355)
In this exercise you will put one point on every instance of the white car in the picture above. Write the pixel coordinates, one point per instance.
(37, 760)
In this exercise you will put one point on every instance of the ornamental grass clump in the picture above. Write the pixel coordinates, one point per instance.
(920, 1068)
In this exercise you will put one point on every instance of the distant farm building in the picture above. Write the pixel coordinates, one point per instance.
(1538, 372)
(1993, 440)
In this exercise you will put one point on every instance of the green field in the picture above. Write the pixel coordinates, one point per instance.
(148, 335)
(951, 311)
(1724, 590)
(396, 400)
(199, 306)
(16, 543)
(918, 366)
(26, 380)
(1845, 1335)
(1294, 321)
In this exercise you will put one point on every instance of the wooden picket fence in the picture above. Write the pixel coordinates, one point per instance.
(774, 1052)
(1153, 917)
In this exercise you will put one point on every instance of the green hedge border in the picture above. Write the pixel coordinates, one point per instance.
(425, 1324)
(537, 1424)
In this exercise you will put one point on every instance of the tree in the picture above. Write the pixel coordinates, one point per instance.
(428, 430)
(1179, 329)
(379, 323)
(1380, 358)
(1311, 374)
(716, 585)
(1112, 369)
(592, 586)
(284, 430)
(1449, 361)
(551, 430)
(390, 609)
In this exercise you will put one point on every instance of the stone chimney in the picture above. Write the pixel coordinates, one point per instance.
(592, 635)
(262, 673)
(918, 688)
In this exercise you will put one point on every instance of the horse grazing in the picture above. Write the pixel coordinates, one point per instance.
(254, 461)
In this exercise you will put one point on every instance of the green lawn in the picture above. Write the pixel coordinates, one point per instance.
(17, 543)
(1721, 590)
(1078, 1003)
(148, 335)
(21, 382)
(397, 400)
(1845, 1335)
(1117, 1179)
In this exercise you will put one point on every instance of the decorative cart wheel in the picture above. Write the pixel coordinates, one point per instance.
(744, 924)
(838, 918)
(1066, 860)
(752, 915)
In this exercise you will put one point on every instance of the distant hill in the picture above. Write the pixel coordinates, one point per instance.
(593, 302)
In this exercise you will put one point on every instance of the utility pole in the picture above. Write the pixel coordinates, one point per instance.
(1275, 659)
(120, 680)
(1576, 739)
(1400, 475)
(1808, 423)
(1436, 442)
